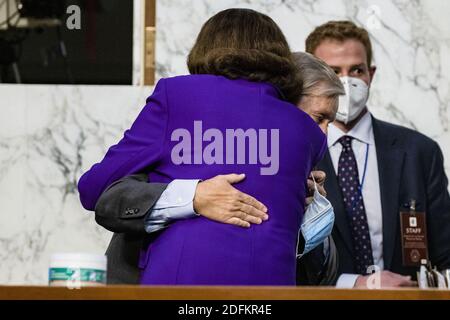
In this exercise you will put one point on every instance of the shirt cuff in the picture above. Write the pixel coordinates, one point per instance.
(346, 281)
(177, 200)
(178, 193)
(153, 226)
(175, 203)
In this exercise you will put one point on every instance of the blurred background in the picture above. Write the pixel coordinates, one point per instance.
(36, 45)
(68, 93)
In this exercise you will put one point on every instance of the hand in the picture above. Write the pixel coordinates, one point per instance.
(387, 280)
(320, 177)
(218, 200)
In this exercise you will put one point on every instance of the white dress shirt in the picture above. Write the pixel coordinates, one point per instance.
(175, 203)
(363, 137)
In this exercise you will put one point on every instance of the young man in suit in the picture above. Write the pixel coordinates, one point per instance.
(390, 164)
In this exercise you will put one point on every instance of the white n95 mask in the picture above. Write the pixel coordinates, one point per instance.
(354, 101)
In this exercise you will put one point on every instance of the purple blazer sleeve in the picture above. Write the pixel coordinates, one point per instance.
(140, 147)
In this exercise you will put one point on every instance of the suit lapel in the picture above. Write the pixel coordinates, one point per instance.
(390, 162)
(334, 195)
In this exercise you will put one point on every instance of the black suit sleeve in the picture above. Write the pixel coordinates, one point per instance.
(318, 269)
(438, 215)
(122, 207)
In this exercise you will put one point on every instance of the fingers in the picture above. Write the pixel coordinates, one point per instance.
(311, 189)
(414, 284)
(251, 219)
(234, 178)
(243, 197)
(243, 219)
(396, 275)
(249, 200)
(319, 176)
(253, 212)
(407, 282)
(394, 280)
(239, 222)
(240, 209)
(322, 190)
(310, 184)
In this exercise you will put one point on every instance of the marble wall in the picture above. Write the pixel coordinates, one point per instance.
(50, 134)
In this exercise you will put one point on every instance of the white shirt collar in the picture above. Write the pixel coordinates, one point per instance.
(362, 131)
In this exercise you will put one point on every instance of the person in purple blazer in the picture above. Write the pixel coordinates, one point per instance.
(236, 112)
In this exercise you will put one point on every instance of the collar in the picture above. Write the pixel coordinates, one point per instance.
(362, 131)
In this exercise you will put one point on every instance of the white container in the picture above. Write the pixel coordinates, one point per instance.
(76, 270)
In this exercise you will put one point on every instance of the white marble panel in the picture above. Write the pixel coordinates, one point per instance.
(50, 135)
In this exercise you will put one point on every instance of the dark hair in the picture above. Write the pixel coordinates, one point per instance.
(341, 31)
(243, 43)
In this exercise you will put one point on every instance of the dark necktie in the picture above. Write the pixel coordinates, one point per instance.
(356, 213)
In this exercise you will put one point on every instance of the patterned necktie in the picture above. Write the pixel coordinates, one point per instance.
(356, 213)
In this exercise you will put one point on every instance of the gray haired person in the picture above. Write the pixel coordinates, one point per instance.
(321, 89)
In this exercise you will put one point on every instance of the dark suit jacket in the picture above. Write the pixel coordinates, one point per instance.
(122, 209)
(410, 166)
(115, 212)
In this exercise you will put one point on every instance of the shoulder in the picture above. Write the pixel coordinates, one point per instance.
(411, 138)
(188, 87)
(190, 80)
(181, 87)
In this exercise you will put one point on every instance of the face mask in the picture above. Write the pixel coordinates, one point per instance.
(354, 100)
(317, 223)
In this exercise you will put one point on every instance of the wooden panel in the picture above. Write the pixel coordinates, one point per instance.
(214, 293)
(149, 41)
(150, 13)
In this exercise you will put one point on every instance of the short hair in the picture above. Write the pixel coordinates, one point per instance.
(318, 78)
(243, 43)
(340, 31)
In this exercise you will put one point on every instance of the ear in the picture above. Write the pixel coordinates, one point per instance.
(372, 71)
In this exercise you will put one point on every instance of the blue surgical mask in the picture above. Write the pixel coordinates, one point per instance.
(317, 223)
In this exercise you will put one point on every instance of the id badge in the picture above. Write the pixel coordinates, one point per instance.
(414, 237)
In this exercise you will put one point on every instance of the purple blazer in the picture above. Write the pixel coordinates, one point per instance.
(199, 126)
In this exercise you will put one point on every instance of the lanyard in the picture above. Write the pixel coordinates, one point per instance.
(361, 185)
(365, 169)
